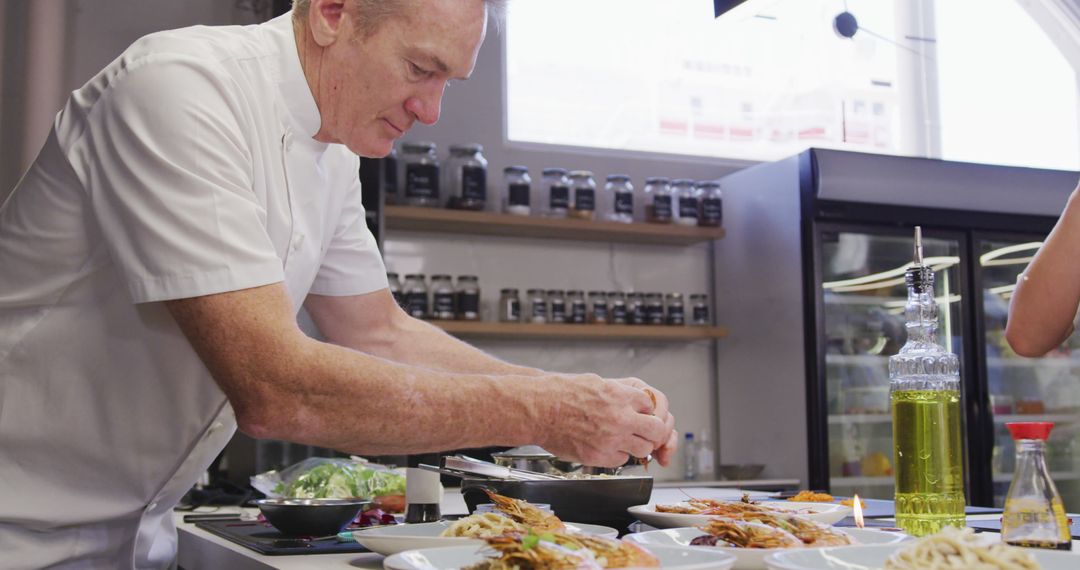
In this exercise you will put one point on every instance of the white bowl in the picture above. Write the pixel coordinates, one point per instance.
(391, 539)
(873, 557)
(752, 558)
(825, 513)
(455, 557)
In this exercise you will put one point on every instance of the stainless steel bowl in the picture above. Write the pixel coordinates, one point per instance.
(311, 517)
(740, 471)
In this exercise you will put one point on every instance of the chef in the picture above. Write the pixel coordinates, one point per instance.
(189, 199)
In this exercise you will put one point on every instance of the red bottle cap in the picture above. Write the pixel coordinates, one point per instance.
(1030, 430)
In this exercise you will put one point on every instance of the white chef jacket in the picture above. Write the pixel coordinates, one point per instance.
(186, 167)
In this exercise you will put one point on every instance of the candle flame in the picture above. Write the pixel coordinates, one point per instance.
(857, 507)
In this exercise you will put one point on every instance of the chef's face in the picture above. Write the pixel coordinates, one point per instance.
(373, 87)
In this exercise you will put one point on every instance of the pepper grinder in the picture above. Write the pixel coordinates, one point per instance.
(423, 492)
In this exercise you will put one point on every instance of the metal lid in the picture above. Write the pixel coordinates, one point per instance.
(682, 182)
(553, 171)
(658, 180)
(707, 184)
(392, 275)
(516, 169)
(467, 277)
(580, 174)
(509, 291)
(441, 276)
(525, 452)
(616, 293)
(536, 291)
(415, 276)
(555, 292)
(674, 295)
(597, 293)
(575, 292)
(418, 147)
(466, 148)
(618, 178)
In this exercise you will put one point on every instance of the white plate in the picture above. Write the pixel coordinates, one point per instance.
(873, 557)
(747, 558)
(825, 513)
(391, 539)
(455, 557)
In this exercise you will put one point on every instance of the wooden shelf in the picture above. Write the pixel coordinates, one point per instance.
(490, 223)
(476, 329)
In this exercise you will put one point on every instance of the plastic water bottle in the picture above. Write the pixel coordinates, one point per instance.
(706, 463)
(689, 457)
(924, 391)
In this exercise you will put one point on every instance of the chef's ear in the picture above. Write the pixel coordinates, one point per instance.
(325, 19)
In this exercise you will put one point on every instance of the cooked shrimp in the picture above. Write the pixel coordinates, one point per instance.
(746, 534)
(806, 530)
(561, 550)
(526, 514)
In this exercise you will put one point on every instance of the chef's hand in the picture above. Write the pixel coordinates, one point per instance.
(602, 422)
(665, 452)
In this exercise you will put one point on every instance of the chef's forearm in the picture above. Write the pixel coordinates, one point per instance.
(1043, 306)
(364, 404)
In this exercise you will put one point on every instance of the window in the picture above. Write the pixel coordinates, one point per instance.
(773, 77)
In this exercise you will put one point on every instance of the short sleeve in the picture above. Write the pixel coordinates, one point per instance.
(352, 264)
(168, 173)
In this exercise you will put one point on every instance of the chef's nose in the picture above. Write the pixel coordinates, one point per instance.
(427, 105)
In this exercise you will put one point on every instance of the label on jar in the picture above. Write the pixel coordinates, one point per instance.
(675, 315)
(468, 305)
(390, 176)
(558, 311)
(539, 310)
(518, 195)
(474, 183)
(662, 207)
(515, 310)
(618, 314)
(712, 211)
(399, 298)
(637, 315)
(417, 304)
(421, 180)
(578, 312)
(688, 207)
(584, 199)
(701, 314)
(560, 198)
(654, 314)
(444, 305)
(624, 203)
(599, 312)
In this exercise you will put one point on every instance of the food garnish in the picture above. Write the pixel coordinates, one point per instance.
(745, 531)
(807, 496)
(558, 551)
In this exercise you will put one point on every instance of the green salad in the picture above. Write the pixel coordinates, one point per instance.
(340, 480)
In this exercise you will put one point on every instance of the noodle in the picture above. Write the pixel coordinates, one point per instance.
(484, 525)
(953, 548)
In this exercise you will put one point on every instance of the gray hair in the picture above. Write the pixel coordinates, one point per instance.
(371, 13)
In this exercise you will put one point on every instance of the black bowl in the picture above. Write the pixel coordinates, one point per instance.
(311, 517)
(602, 500)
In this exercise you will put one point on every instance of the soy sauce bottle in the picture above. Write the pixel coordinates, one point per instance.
(1034, 514)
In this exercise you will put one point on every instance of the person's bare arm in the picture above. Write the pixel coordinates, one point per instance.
(373, 323)
(1043, 307)
(284, 385)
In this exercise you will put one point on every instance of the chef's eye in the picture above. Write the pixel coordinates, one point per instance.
(417, 71)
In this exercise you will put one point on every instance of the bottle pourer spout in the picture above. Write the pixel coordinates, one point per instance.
(918, 257)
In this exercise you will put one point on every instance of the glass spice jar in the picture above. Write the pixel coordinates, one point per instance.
(654, 308)
(557, 302)
(617, 307)
(468, 298)
(579, 311)
(416, 295)
(619, 199)
(658, 200)
(442, 298)
(712, 210)
(699, 309)
(583, 186)
(676, 312)
(518, 188)
(686, 202)
(421, 167)
(538, 312)
(465, 171)
(556, 193)
(635, 308)
(388, 176)
(509, 305)
(394, 284)
(598, 308)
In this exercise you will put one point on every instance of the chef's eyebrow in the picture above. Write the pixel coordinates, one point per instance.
(440, 65)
